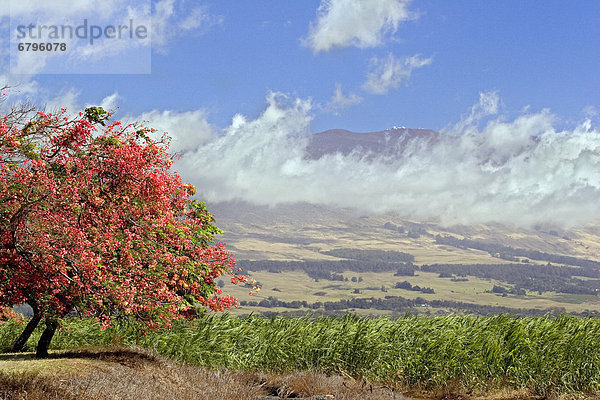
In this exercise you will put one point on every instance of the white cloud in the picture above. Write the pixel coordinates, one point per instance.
(16, 92)
(170, 20)
(19, 88)
(111, 48)
(590, 111)
(109, 102)
(340, 101)
(199, 18)
(521, 171)
(388, 73)
(360, 23)
(59, 9)
(256, 159)
(489, 104)
(68, 99)
(187, 129)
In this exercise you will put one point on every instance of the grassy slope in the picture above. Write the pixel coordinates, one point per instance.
(301, 232)
(109, 373)
(116, 373)
(436, 357)
(296, 232)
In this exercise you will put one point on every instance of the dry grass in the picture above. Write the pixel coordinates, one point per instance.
(119, 373)
(130, 373)
(307, 385)
(125, 373)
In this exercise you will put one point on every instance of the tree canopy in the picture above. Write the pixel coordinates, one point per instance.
(93, 221)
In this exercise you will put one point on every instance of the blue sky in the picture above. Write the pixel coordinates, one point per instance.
(542, 54)
(503, 70)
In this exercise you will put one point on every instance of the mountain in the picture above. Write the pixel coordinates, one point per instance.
(389, 142)
(311, 257)
(303, 225)
(301, 231)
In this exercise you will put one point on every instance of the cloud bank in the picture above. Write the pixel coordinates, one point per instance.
(188, 129)
(483, 169)
(360, 23)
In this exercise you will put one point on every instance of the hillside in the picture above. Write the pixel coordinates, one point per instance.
(293, 249)
(304, 233)
(299, 231)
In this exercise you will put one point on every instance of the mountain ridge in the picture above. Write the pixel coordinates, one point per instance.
(388, 142)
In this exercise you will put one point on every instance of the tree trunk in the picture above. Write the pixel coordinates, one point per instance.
(44, 343)
(22, 340)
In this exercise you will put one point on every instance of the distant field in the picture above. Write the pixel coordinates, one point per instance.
(304, 232)
(424, 250)
(297, 285)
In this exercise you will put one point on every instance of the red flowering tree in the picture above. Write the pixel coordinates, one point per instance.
(93, 221)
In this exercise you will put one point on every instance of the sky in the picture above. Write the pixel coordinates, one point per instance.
(512, 85)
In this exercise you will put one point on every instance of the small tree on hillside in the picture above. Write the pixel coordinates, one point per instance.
(92, 220)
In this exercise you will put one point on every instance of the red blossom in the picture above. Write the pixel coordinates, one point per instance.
(92, 218)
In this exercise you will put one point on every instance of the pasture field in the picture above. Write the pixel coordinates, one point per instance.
(298, 286)
(302, 232)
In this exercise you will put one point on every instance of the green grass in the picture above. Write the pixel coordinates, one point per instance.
(544, 355)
